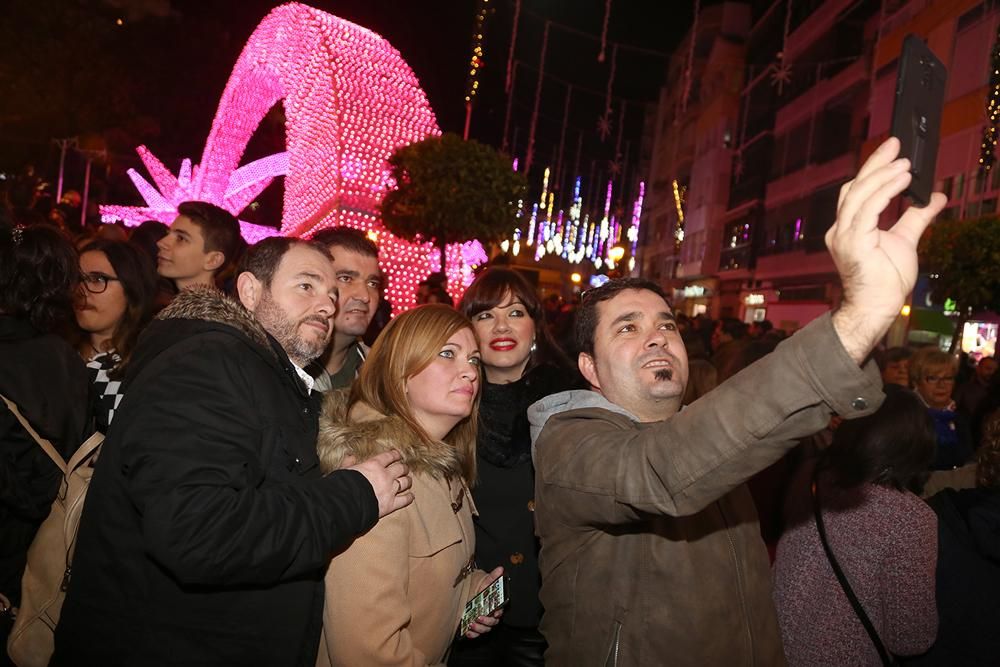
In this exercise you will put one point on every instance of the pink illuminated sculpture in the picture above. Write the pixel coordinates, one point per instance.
(350, 100)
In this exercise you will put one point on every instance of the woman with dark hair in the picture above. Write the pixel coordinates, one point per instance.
(861, 497)
(45, 379)
(521, 365)
(397, 594)
(115, 302)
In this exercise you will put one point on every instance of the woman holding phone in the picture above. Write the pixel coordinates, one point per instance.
(397, 594)
(521, 365)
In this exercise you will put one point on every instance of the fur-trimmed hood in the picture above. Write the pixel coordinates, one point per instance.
(211, 305)
(370, 432)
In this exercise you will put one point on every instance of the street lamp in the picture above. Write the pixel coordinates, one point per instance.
(576, 278)
(616, 254)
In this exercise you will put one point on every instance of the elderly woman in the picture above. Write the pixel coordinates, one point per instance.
(397, 594)
(932, 374)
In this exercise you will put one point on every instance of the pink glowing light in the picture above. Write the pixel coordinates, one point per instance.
(350, 100)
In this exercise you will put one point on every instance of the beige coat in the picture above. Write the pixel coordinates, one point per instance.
(396, 596)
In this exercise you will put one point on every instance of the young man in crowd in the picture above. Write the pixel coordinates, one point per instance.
(208, 526)
(651, 553)
(203, 240)
(359, 283)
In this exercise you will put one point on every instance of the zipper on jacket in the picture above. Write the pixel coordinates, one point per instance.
(739, 581)
(613, 649)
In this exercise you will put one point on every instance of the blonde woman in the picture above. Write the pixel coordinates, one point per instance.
(396, 595)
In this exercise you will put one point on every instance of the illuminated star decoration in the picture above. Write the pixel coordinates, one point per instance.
(781, 73)
(604, 125)
(350, 100)
(615, 166)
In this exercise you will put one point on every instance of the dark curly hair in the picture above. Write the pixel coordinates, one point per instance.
(39, 275)
(892, 447)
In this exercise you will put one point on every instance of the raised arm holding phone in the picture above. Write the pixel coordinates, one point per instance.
(650, 546)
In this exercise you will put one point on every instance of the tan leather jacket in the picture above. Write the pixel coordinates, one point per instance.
(651, 553)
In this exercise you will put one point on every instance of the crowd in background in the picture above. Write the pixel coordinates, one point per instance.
(76, 298)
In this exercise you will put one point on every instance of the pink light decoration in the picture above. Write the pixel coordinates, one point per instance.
(350, 100)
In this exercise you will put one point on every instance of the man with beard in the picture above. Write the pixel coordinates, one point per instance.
(651, 553)
(208, 526)
(359, 283)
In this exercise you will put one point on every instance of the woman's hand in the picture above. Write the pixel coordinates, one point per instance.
(484, 624)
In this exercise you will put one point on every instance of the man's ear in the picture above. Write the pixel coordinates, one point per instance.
(250, 290)
(213, 261)
(586, 364)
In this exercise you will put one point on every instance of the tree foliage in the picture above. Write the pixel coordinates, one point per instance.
(962, 258)
(451, 191)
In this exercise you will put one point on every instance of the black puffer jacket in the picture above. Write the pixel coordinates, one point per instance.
(208, 525)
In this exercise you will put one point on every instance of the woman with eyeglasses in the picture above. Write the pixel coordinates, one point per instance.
(397, 594)
(932, 374)
(115, 301)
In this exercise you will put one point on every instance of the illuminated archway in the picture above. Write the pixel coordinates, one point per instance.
(350, 99)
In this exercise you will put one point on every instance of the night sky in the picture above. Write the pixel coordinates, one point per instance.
(157, 77)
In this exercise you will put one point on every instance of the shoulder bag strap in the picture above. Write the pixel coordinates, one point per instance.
(42, 442)
(883, 653)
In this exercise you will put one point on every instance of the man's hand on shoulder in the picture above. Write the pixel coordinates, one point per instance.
(390, 480)
(878, 268)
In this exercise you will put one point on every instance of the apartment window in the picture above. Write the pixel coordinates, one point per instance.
(959, 190)
(950, 213)
(970, 17)
(980, 182)
(946, 186)
(995, 179)
(988, 206)
(797, 148)
(972, 210)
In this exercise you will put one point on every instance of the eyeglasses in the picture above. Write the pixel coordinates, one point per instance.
(937, 379)
(96, 283)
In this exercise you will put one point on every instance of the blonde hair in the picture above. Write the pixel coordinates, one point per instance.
(929, 357)
(405, 347)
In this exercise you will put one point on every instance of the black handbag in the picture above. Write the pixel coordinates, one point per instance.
(887, 658)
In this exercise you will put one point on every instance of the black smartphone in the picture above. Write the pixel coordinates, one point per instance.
(488, 601)
(916, 115)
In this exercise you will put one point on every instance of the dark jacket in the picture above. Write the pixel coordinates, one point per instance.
(505, 489)
(651, 553)
(48, 382)
(968, 578)
(208, 525)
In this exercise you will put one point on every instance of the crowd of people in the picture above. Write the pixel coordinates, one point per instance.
(656, 489)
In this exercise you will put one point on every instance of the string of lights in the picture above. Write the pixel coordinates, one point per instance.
(987, 154)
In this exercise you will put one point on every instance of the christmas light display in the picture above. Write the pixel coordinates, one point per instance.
(572, 234)
(988, 149)
(476, 60)
(350, 100)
